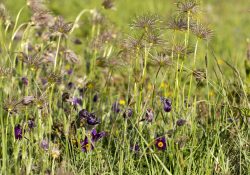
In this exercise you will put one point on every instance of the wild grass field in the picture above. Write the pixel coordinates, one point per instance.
(125, 87)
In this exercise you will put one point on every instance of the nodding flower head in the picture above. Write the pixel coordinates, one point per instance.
(18, 132)
(25, 81)
(167, 104)
(86, 145)
(97, 135)
(92, 119)
(135, 147)
(160, 143)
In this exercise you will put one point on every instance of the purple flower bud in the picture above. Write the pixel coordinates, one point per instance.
(116, 107)
(167, 104)
(95, 98)
(70, 85)
(18, 132)
(135, 147)
(128, 113)
(44, 145)
(181, 122)
(25, 81)
(31, 123)
(97, 136)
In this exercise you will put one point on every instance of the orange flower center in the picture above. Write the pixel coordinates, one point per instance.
(88, 147)
(160, 144)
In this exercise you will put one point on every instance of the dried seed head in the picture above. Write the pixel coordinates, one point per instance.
(177, 23)
(188, 6)
(12, 105)
(155, 39)
(70, 56)
(43, 19)
(32, 61)
(4, 14)
(61, 27)
(202, 32)
(5, 72)
(28, 100)
(133, 43)
(149, 115)
(36, 5)
(146, 22)
(97, 17)
(200, 75)
(161, 60)
(179, 50)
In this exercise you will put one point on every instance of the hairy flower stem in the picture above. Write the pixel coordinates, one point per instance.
(194, 66)
(57, 51)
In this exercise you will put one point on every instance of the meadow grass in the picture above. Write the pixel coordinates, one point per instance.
(159, 87)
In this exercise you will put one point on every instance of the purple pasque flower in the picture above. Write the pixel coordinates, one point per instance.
(86, 145)
(76, 101)
(116, 107)
(92, 119)
(18, 132)
(160, 143)
(97, 135)
(128, 113)
(83, 114)
(167, 104)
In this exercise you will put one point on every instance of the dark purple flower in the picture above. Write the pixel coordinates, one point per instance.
(92, 119)
(181, 122)
(70, 85)
(128, 113)
(76, 101)
(18, 132)
(160, 143)
(95, 98)
(116, 107)
(44, 145)
(83, 114)
(65, 96)
(70, 71)
(44, 81)
(86, 145)
(25, 81)
(135, 147)
(167, 104)
(77, 41)
(81, 91)
(31, 123)
(97, 135)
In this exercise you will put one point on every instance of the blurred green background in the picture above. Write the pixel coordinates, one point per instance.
(230, 19)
